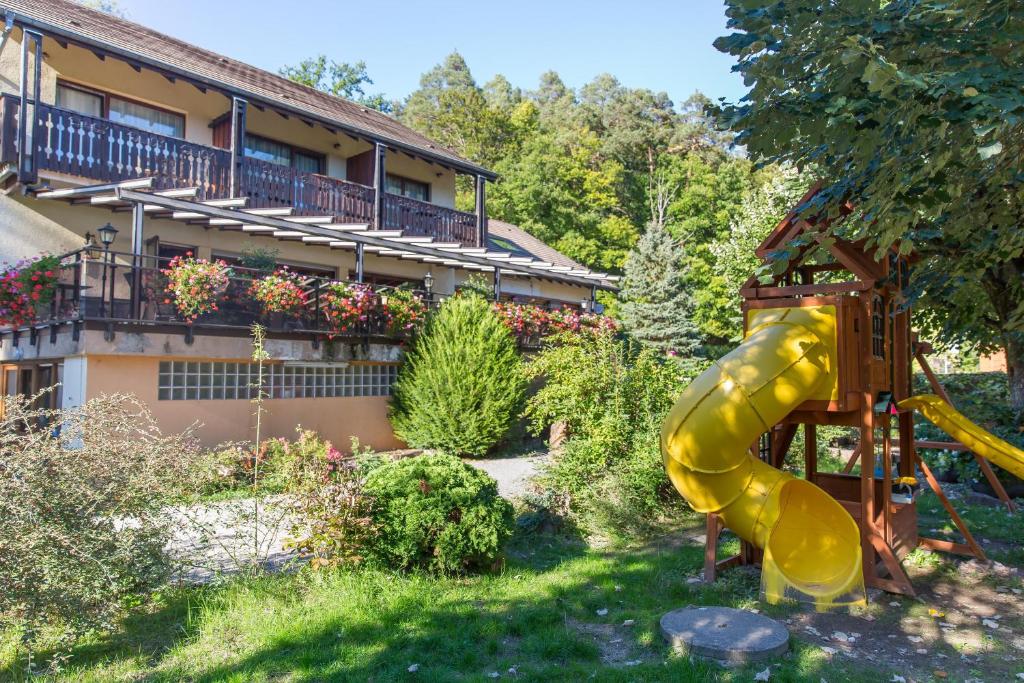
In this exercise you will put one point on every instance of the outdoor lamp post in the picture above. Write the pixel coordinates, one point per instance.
(108, 233)
(585, 305)
(428, 285)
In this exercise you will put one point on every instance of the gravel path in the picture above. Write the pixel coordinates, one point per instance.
(513, 474)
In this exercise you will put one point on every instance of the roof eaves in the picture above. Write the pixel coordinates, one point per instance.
(72, 36)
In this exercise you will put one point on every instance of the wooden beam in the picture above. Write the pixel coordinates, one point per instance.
(941, 495)
(986, 468)
(804, 290)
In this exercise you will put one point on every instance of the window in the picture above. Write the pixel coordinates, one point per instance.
(380, 280)
(145, 117)
(283, 154)
(119, 110)
(79, 100)
(414, 189)
(190, 381)
(303, 269)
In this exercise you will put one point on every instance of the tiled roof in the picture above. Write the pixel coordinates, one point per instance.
(71, 20)
(502, 236)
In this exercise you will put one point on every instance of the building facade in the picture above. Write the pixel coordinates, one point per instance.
(122, 148)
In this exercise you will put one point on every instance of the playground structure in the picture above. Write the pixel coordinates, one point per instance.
(826, 343)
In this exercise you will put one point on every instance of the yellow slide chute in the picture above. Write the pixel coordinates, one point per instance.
(948, 419)
(811, 543)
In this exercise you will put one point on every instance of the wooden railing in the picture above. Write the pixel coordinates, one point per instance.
(270, 185)
(422, 218)
(76, 144)
(9, 105)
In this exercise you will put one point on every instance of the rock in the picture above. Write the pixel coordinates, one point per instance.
(413, 668)
(602, 612)
(628, 622)
(724, 634)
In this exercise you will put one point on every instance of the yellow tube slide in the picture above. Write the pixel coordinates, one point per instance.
(811, 543)
(950, 420)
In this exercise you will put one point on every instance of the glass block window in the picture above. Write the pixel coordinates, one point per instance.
(192, 380)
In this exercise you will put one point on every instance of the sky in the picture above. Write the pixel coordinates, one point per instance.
(662, 45)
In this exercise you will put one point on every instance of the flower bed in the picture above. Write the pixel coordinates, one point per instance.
(25, 288)
(280, 293)
(196, 285)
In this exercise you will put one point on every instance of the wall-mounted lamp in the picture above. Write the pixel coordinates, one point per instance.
(90, 247)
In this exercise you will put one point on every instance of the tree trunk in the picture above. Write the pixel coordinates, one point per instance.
(1015, 371)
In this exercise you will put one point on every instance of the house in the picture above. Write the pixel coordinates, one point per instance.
(122, 148)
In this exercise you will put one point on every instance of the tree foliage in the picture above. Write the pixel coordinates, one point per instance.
(913, 110)
(588, 169)
(656, 306)
(340, 79)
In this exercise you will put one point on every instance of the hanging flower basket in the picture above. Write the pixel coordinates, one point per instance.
(347, 305)
(280, 293)
(27, 287)
(196, 285)
(403, 310)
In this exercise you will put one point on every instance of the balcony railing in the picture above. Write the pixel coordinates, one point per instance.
(80, 145)
(103, 289)
(95, 148)
(415, 217)
(269, 185)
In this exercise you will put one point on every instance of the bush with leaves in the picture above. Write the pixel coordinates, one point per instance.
(462, 384)
(612, 396)
(81, 492)
(436, 513)
(333, 516)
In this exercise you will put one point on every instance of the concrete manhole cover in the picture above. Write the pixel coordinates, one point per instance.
(726, 634)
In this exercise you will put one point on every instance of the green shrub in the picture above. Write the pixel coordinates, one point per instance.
(462, 384)
(85, 531)
(435, 512)
(612, 397)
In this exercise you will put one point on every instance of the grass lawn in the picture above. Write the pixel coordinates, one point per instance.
(540, 619)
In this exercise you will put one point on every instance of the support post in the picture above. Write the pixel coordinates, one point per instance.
(481, 211)
(497, 283)
(138, 214)
(983, 464)
(27, 171)
(238, 113)
(379, 183)
(360, 256)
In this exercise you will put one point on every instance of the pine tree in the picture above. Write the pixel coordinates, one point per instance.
(656, 307)
(462, 384)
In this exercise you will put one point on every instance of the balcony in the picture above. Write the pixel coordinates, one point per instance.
(103, 290)
(97, 149)
(107, 291)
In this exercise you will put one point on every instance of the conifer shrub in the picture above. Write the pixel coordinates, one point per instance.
(436, 513)
(462, 384)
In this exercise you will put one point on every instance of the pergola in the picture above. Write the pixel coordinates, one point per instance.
(137, 197)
